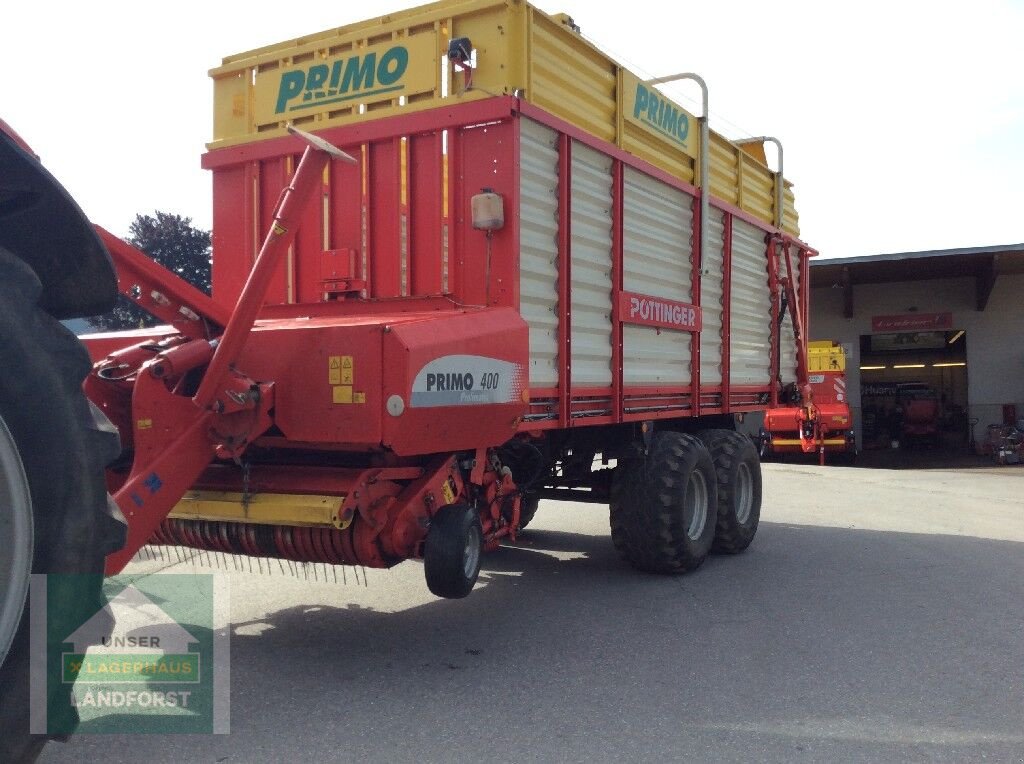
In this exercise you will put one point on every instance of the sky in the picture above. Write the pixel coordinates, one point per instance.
(902, 121)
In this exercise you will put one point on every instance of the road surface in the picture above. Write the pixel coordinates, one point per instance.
(879, 615)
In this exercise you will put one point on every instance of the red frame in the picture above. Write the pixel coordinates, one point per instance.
(483, 148)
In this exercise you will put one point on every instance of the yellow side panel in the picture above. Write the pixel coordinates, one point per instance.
(724, 172)
(646, 108)
(327, 82)
(642, 143)
(582, 93)
(397, 64)
(757, 188)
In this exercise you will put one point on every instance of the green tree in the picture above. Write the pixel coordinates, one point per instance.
(177, 245)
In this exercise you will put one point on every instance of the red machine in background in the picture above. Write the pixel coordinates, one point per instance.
(789, 429)
(919, 409)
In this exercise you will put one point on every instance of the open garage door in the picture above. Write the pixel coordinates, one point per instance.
(914, 389)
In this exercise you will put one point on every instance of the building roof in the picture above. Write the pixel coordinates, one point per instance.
(914, 266)
(984, 264)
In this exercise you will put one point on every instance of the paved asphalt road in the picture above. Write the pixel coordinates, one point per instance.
(878, 616)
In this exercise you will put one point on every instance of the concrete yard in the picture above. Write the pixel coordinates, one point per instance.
(879, 615)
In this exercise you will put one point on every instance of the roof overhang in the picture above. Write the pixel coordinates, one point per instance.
(983, 264)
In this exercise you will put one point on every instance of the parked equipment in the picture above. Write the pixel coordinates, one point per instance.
(917, 405)
(788, 429)
(523, 273)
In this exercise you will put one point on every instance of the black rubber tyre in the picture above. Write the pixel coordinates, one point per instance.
(663, 507)
(64, 444)
(739, 488)
(527, 509)
(451, 555)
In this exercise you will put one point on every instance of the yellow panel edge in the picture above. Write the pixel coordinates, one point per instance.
(312, 510)
(393, 64)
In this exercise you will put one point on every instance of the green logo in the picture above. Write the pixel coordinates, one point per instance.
(344, 80)
(661, 114)
(151, 659)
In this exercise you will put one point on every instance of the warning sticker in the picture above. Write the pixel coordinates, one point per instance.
(448, 489)
(340, 370)
(342, 393)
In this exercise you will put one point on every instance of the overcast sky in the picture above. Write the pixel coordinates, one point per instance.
(903, 122)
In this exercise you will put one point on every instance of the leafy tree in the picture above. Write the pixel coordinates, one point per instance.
(177, 245)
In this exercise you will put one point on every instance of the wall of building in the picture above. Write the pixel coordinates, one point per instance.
(995, 337)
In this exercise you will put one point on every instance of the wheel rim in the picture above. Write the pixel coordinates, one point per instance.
(16, 525)
(471, 554)
(696, 505)
(744, 493)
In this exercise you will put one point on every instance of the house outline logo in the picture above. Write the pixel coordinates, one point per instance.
(145, 645)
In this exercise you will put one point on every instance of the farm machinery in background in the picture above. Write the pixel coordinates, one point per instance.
(821, 425)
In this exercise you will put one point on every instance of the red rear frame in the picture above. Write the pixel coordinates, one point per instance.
(413, 249)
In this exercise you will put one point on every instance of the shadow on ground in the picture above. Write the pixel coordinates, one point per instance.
(908, 459)
(818, 643)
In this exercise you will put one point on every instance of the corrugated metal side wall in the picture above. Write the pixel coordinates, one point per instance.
(538, 254)
(591, 273)
(657, 231)
(711, 279)
(750, 314)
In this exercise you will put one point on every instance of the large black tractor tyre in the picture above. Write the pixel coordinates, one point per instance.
(739, 488)
(63, 444)
(663, 506)
(451, 555)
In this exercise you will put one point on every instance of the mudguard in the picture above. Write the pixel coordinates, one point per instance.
(42, 225)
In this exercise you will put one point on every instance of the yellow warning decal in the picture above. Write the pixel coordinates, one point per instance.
(144, 424)
(347, 369)
(359, 397)
(279, 229)
(334, 370)
(448, 489)
(342, 393)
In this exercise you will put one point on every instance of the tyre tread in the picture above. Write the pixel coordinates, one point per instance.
(648, 528)
(725, 447)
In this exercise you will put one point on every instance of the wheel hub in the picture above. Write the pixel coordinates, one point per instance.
(471, 554)
(744, 493)
(696, 505)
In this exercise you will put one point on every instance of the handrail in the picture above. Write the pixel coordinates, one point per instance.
(705, 150)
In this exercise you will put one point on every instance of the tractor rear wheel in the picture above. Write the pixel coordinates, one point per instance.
(55, 445)
(451, 555)
(663, 507)
(738, 471)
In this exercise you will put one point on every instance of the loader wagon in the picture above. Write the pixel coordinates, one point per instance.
(787, 429)
(462, 260)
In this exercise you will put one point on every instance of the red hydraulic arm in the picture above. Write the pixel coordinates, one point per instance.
(158, 291)
(811, 436)
(179, 439)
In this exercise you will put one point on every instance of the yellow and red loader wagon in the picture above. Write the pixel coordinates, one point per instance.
(462, 260)
(828, 428)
